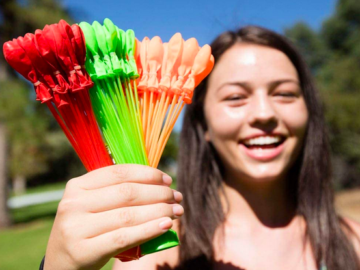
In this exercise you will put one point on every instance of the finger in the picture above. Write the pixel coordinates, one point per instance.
(115, 242)
(129, 216)
(125, 173)
(127, 194)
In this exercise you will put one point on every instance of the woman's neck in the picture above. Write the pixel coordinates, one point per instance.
(268, 203)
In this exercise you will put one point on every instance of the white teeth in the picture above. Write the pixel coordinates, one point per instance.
(263, 140)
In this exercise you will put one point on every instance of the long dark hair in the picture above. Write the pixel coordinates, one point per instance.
(200, 173)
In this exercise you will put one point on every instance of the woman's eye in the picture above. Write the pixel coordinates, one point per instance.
(235, 100)
(286, 94)
(235, 97)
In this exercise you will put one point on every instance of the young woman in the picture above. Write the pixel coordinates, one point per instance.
(254, 171)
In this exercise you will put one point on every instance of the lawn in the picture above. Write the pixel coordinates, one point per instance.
(23, 245)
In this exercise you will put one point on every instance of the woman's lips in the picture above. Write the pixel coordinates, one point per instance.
(263, 154)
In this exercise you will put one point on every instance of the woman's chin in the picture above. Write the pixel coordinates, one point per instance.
(262, 173)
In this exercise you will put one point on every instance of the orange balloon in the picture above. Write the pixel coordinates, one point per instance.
(206, 72)
(144, 64)
(191, 48)
(202, 66)
(155, 57)
(173, 59)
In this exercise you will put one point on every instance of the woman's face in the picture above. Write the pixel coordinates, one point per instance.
(255, 112)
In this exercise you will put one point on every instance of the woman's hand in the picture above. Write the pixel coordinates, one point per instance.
(108, 211)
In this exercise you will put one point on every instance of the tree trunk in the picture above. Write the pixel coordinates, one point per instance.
(19, 184)
(5, 220)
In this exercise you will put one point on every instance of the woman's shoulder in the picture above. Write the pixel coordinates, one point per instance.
(354, 225)
(164, 260)
(353, 233)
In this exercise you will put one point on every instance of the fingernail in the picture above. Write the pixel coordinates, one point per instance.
(165, 224)
(167, 179)
(178, 210)
(178, 196)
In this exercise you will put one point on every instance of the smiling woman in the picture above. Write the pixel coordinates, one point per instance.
(254, 164)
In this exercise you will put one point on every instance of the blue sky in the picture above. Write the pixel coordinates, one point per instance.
(202, 19)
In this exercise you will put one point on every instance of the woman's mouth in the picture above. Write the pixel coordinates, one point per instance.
(263, 148)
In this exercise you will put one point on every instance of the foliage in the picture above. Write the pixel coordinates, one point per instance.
(310, 45)
(35, 140)
(333, 54)
(27, 151)
(170, 153)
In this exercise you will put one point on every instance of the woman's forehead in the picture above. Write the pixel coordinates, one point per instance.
(254, 64)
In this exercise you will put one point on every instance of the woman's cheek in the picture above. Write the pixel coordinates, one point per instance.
(295, 122)
(226, 122)
(224, 129)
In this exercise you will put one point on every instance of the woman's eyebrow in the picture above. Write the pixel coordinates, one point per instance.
(244, 85)
(276, 83)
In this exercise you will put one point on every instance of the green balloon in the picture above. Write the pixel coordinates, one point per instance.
(111, 35)
(104, 52)
(120, 51)
(100, 37)
(130, 50)
(112, 42)
(90, 38)
(93, 51)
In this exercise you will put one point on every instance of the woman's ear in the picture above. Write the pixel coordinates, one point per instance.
(207, 136)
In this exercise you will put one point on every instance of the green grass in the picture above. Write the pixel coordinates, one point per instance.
(23, 245)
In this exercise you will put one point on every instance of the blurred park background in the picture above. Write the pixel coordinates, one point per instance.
(36, 160)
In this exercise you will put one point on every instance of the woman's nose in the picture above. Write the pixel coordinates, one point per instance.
(261, 111)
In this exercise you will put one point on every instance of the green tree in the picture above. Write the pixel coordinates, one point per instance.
(26, 133)
(24, 123)
(333, 54)
(311, 46)
(341, 32)
(169, 156)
